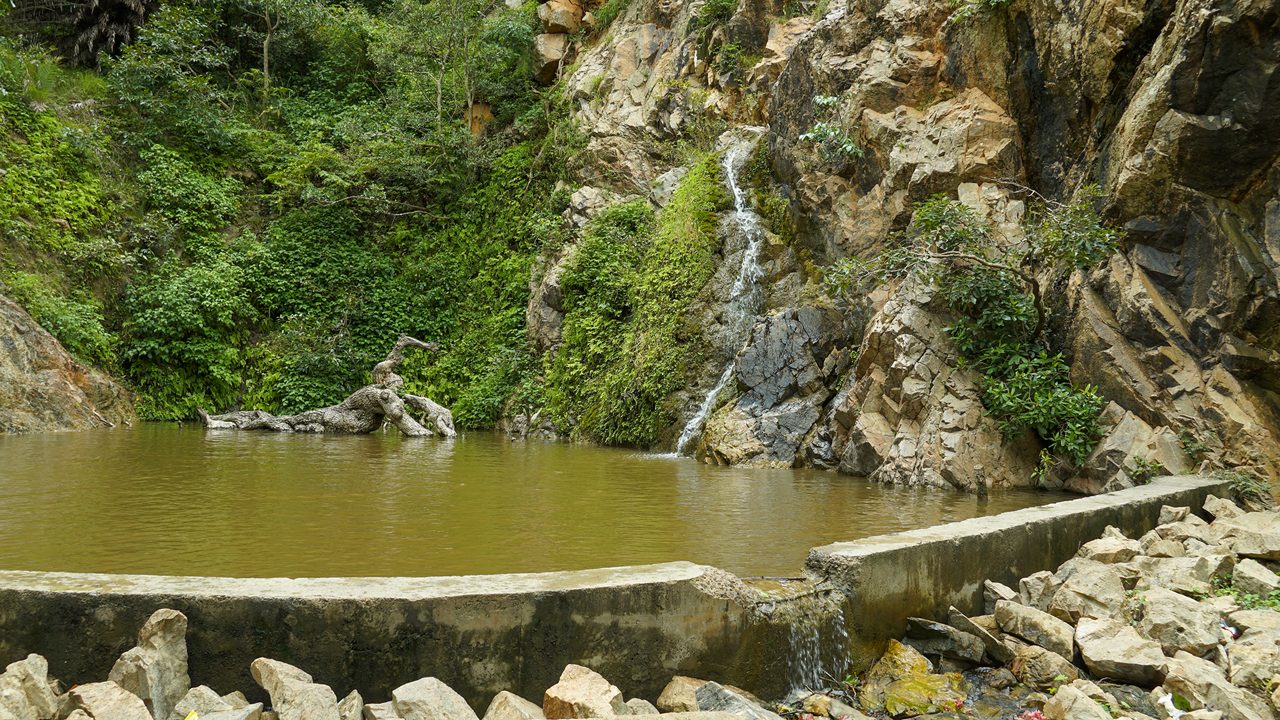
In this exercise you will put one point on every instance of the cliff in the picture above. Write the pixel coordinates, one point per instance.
(1166, 106)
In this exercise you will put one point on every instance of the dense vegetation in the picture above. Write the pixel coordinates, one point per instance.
(992, 287)
(249, 202)
(626, 348)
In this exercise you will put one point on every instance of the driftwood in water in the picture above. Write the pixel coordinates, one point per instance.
(364, 411)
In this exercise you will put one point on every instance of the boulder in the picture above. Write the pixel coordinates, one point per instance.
(27, 683)
(1036, 590)
(943, 641)
(43, 388)
(1245, 620)
(1177, 622)
(156, 670)
(108, 701)
(898, 661)
(821, 705)
(560, 16)
(993, 592)
(639, 706)
(430, 699)
(714, 697)
(1111, 550)
(351, 707)
(792, 357)
(201, 700)
(1035, 627)
(994, 646)
(549, 53)
(1254, 578)
(1254, 535)
(1113, 649)
(1092, 590)
(1170, 514)
(1202, 684)
(680, 695)
(925, 694)
(293, 694)
(583, 693)
(1042, 669)
(1069, 703)
(1255, 659)
(1187, 575)
(509, 706)
(250, 712)
(381, 711)
(1221, 509)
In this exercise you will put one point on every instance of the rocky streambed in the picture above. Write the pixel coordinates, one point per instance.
(1181, 623)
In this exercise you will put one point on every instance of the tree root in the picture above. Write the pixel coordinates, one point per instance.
(364, 411)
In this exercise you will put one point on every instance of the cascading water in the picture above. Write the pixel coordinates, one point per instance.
(745, 296)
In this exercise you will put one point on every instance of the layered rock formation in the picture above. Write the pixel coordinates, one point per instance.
(1166, 106)
(43, 388)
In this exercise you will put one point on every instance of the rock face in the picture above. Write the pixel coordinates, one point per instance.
(911, 416)
(783, 378)
(43, 388)
(1166, 106)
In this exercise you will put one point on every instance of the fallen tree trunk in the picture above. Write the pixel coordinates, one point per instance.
(364, 411)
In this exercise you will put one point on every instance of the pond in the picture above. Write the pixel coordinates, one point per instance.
(167, 500)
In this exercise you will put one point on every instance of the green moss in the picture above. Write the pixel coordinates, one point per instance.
(625, 348)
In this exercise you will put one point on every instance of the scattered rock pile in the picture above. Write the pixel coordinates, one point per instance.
(1183, 622)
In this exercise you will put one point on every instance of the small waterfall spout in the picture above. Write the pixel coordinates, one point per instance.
(745, 297)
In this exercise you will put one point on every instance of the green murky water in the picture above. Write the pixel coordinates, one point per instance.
(165, 500)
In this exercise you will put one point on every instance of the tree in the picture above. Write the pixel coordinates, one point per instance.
(81, 29)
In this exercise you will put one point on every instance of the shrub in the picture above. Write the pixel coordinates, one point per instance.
(184, 336)
(715, 12)
(75, 321)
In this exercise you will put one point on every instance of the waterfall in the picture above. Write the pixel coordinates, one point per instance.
(745, 297)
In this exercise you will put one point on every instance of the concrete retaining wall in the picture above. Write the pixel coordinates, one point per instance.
(638, 625)
(920, 573)
(480, 634)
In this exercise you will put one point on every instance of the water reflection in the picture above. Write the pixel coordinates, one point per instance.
(166, 500)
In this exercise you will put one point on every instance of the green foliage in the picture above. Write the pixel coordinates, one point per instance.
(716, 12)
(608, 12)
(830, 135)
(1032, 391)
(75, 321)
(264, 193)
(184, 336)
(1144, 468)
(991, 288)
(624, 348)
(1192, 446)
(1246, 601)
(174, 189)
(1071, 235)
(1246, 486)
